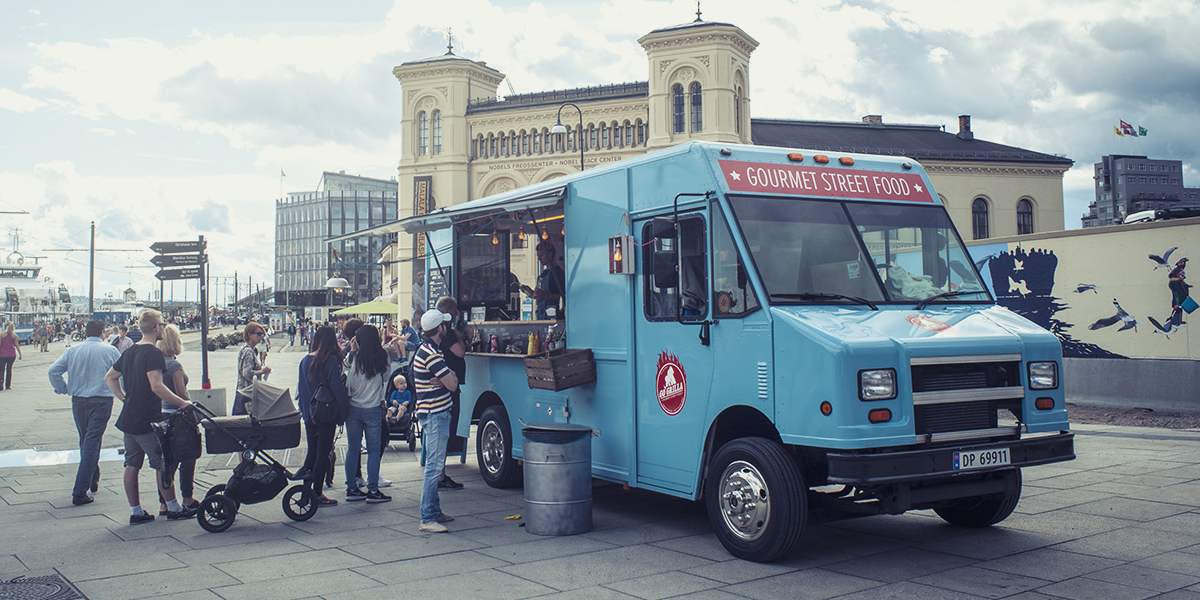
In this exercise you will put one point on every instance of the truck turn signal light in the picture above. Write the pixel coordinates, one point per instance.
(1044, 403)
(879, 415)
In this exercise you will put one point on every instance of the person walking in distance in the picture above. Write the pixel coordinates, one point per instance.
(91, 403)
(291, 330)
(434, 384)
(10, 351)
(250, 365)
(122, 340)
(321, 373)
(137, 381)
(171, 346)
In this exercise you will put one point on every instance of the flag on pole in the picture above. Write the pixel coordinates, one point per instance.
(1128, 129)
(1142, 131)
(1117, 130)
(282, 174)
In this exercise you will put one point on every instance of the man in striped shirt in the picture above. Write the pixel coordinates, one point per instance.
(434, 384)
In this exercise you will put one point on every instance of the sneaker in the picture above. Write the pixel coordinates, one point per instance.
(355, 494)
(385, 482)
(145, 517)
(449, 484)
(179, 515)
(432, 527)
(360, 482)
(81, 500)
(377, 497)
(327, 501)
(444, 518)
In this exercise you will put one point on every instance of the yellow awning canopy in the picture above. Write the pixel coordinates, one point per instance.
(374, 307)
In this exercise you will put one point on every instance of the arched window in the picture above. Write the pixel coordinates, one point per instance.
(628, 133)
(592, 144)
(641, 133)
(537, 142)
(437, 132)
(604, 136)
(737, 109)
(979, 218)
(525, 142)
(547, 146)
(515, 142)
(492, 145)
(677, 108)
(422, 134)
(1024, 216)
(697, 107)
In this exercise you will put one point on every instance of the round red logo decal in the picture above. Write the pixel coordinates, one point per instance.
(670, 384)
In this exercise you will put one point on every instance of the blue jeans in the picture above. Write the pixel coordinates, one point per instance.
(360, 421)
(435, 429)
(91, 418)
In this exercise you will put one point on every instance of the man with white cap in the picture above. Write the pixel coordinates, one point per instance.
(435, 385)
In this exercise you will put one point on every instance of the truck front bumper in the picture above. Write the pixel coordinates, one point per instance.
(884, 467)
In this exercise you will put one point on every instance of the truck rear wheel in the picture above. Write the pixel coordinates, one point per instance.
(756, 499)
(983, 511)
(493, 449)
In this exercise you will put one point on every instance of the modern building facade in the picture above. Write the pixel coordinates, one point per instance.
(461, 141)
(304, 220)
(1127, 184)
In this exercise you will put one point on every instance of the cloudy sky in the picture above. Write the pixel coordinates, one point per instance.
(165, 120)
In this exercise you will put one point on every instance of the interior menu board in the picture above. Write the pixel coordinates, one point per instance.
(438, 284)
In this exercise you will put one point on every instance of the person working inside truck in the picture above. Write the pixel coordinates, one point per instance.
(552, 283)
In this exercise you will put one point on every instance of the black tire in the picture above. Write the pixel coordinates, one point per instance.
(217, 513)
(983, 511)
(216, 489)
(771, 499)
(300, 503)
(493, 449)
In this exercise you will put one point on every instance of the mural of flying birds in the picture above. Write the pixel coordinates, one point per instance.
(1165, 259)
(1087, 287)
(1127, 320)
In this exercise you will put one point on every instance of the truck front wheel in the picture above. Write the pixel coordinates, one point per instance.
(983, 511)
(493, 449)
(756, 499)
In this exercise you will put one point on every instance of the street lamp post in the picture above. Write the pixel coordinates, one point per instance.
(332, 285)
(560, 128)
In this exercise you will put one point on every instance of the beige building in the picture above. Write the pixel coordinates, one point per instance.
(462, 141)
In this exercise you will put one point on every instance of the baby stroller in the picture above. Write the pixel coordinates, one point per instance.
(273, 423)
(401, 424)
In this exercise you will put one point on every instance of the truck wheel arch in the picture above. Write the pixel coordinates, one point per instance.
(486, 399)
(732, 423)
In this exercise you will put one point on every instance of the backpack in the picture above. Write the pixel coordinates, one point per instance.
(324, 407)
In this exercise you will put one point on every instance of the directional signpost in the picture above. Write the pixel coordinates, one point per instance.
(187, 260)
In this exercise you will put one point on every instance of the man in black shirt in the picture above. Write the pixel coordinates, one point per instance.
(140, 369)
(454, 351)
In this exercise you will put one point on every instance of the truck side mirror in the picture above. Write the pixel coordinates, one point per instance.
(664, 262)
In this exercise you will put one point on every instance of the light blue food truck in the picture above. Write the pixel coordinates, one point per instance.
(785, 335)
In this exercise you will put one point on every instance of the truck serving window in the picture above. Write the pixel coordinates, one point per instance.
(917, 252)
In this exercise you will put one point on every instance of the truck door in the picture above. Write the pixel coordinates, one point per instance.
(674, 367)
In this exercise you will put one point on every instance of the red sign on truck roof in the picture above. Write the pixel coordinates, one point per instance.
(772, 178)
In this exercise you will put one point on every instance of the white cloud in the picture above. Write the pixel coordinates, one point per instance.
(104, 131)
(17, 102)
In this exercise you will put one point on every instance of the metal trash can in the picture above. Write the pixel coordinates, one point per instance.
(558, 479)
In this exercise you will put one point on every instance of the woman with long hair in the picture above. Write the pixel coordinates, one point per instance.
(10, 351)
(321, 367)
(174, 376)
(250, 365)
(366, 381)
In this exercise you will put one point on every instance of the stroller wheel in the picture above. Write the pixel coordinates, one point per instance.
(300, 503)
(217, 512)
(220, 489)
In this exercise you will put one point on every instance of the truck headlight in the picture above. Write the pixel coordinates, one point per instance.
(1043, 375)
(877, 384)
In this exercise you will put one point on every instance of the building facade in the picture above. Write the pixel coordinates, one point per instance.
(1127, 184)
(304, 220)
(461, 141)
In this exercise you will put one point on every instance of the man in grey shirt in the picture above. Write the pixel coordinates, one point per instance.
(91, 402)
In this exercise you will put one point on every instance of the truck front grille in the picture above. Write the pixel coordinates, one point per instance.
(965, 376)
(955, 416)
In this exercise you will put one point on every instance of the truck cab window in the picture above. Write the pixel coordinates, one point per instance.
(676, 278)
(732, 293)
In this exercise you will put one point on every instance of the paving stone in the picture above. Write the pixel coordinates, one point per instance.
(345, 584)
(1176, 562)
(898, 565)
(501, 535)
(981, 582)
(541, 548)
(1061, 499)
(1129, 508)
(907, 590)
(241, 533)
(707, 595)
(648, 533)
(1083, 588)
(11, 566)
(492, 585)
(602, 567)
(704, 545)
(1179, 595)
(339, 519)
(597, 593)
(253, 550)
(287, 565)
(994, 542)
(406, 547)
(1066, 524)
(112, 550)
(812, 584)
(738, 570)
(429, 567)
(1131, 543)
(1145, 577)
(1072, 481)
(134, 587)
(350, 537)
(1184, 493)
(663, 585)
(1188, 522)
(1049, 564)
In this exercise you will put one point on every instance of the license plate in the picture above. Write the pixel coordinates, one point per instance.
(980, 459)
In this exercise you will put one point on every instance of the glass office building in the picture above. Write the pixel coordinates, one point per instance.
(304, 220)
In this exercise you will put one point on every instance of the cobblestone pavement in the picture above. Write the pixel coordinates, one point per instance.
(1122, 521)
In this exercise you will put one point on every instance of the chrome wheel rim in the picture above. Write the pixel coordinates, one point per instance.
(745, 500)
(492, 447)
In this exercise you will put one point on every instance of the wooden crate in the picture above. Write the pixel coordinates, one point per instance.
(560, 370)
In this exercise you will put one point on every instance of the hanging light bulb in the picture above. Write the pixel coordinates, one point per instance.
(521, 233)
(562, 231)
(495, 239)
(545, 234)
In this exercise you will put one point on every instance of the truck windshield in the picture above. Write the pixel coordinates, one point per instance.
(806, 247)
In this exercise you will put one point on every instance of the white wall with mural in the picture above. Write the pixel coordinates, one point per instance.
(1111, 292)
